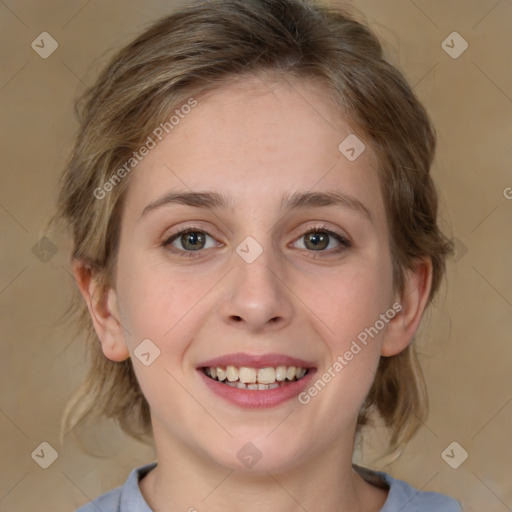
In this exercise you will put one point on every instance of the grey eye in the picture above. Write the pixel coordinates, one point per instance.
(191, 240)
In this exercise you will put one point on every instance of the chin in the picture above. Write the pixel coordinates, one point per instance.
(258, 455)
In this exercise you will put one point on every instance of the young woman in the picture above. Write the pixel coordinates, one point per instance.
(255, 238)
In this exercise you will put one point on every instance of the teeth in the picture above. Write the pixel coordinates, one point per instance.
(247, 375)
(281, 373)
(300, 372)
(266, 375)
(290, 372)
(253, 387)
(232, 373)
(244, 377)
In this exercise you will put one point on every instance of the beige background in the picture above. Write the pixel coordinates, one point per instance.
(465, 344)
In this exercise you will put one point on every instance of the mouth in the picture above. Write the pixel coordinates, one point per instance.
(255, 379)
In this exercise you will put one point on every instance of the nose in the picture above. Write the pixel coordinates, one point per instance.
(258, 298)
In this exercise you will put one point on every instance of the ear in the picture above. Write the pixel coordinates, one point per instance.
(104, 311)
(402, 328)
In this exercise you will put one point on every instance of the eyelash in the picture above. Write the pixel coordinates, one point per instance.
(345, 244)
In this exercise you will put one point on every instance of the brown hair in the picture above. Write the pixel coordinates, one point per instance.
(197, 49)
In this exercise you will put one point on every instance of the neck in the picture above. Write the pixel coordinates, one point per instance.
(189, 481)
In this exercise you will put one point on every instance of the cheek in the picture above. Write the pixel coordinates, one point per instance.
(351, 299)
(155, 301)
(165, 307)
(352, 310)
(349, 306)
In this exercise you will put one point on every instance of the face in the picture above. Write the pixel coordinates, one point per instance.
(249, 240)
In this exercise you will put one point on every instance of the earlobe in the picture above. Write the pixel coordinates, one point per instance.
(104, 311)
(402, 328)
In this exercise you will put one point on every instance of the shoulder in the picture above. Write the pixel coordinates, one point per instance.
(403, 495)
(126, 498)
(108, 502)
(405, 498)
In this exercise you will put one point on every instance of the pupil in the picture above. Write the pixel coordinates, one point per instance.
(191, 239)
(318, 240)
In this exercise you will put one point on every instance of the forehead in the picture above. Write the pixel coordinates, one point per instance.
(272, 137)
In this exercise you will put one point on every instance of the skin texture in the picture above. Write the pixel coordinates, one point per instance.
(255, 140)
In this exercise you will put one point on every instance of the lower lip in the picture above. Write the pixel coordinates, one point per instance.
(258, 399)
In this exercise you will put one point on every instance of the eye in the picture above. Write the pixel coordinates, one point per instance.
(319, 240)
(190, 239)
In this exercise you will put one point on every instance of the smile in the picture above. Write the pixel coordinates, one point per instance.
(255, 379)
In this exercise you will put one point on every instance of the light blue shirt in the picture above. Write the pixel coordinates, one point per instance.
(401, 498)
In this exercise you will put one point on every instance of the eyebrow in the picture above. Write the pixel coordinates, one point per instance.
(297, 200)
(319, 199)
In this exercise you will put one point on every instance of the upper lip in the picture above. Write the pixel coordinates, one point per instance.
(256, 361)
